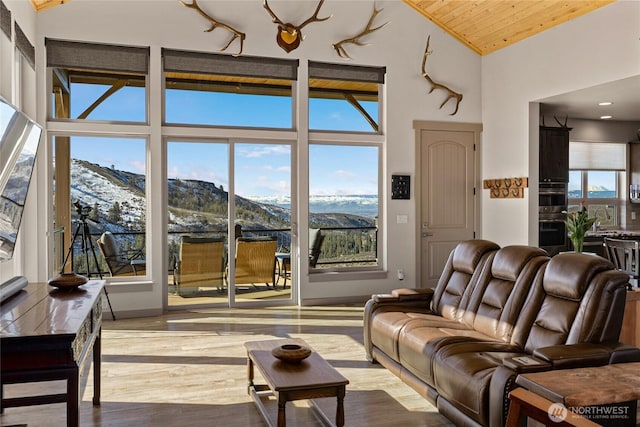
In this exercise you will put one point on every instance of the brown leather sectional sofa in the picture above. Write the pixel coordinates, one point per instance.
(461, 344)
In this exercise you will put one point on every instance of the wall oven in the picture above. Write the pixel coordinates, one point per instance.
(552, 232)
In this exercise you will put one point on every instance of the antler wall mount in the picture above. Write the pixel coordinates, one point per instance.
(434, 85)
(289, 36)
(506, 188)
(342, 53)
(215, 24)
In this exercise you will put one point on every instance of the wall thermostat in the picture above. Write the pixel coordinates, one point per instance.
(401, 187)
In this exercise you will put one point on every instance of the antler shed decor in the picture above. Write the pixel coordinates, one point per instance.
(215, 24)
(506, 188)
(289, 36)
(342, 53)
(434, 85)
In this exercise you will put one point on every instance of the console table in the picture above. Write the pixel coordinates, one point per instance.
(48, 334)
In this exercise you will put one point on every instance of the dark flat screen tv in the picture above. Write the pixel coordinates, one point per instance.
(19, 138)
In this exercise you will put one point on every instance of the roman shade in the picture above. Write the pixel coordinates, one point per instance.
(597, 156)
(246, 66)
(97, 56)
(5, 20)
(25, 47)
(353, 73)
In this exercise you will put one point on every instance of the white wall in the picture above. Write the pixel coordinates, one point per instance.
(596, 48)
(398, 46)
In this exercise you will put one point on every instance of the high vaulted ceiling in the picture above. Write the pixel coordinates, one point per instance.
(483, 25)
(488, 25)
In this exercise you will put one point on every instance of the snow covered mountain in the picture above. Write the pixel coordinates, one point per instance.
(199, 205)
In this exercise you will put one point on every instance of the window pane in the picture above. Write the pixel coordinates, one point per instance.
(228, 101)
(343, 105)
(575, 185)
(343, 203)
(605, 214)
(198, 181)
(602, 184)
(96, 96)
(108, 193)
(262, 210)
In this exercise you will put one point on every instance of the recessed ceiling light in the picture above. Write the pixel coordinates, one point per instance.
(606, 117)
(602, 104)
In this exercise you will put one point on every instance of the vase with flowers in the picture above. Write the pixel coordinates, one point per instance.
(578, 223)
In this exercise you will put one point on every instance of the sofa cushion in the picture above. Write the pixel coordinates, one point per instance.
(564, 307)
(465, 264)
(462, 375)
(570, 273)
(497, 301)
(422, 337)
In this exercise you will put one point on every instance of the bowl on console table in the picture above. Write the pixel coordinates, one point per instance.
(68, 281)
(291, 353)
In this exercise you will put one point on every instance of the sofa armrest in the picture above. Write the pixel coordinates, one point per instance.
(575, 355)
(405, 295)
(408, 300)
(526, 364)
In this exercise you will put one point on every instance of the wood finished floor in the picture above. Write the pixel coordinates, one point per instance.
(188, 368)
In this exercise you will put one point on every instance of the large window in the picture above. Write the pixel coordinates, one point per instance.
(107, 193)
(100, 181)
(599, 192)
(343, 203)
(219, 90)
(344, 190)
(596, 179)
(344, 98)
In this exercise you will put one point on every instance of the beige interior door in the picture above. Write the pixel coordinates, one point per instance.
(447, 201)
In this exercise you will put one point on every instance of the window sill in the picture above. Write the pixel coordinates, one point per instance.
(345, 276)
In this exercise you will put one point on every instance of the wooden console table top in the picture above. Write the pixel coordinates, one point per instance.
(48, 334)
(586, 386)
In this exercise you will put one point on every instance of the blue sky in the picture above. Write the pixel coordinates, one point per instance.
(261, 169)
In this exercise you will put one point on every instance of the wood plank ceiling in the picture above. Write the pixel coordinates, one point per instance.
(488, 25)
(483, 25)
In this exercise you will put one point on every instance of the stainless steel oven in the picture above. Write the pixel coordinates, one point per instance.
(552, 232)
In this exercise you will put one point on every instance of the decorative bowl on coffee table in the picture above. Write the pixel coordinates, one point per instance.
(291, 353)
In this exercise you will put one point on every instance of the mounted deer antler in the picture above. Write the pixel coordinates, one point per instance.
(342, 53)
(215, 24)
(289, 36)
(562, 125)
(452, 95)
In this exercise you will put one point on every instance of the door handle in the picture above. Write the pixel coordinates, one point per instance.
(427, 234)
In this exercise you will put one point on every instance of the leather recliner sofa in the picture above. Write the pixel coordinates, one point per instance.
(460, 344)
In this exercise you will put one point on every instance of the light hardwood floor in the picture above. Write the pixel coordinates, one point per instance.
(188, 368)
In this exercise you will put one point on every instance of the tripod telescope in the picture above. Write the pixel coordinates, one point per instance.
(83, 230)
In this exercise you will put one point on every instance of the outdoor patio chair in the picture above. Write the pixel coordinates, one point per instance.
(200, 263)
(121, 263)
(256, 260)
(315, 246)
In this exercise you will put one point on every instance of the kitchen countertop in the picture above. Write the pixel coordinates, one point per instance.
(613, 233)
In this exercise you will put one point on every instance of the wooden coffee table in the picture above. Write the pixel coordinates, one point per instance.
(312, 378)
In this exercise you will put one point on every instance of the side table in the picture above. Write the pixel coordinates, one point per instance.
(605, 394)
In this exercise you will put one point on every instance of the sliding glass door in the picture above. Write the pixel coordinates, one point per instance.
(212, 260)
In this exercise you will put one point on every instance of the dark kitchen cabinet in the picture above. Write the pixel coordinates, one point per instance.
(554, 154)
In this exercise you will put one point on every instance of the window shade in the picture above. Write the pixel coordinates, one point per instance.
(354, 73)
(96, 56)
(5, 20)
(597, 156)
(25, 47)
(247, 66)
